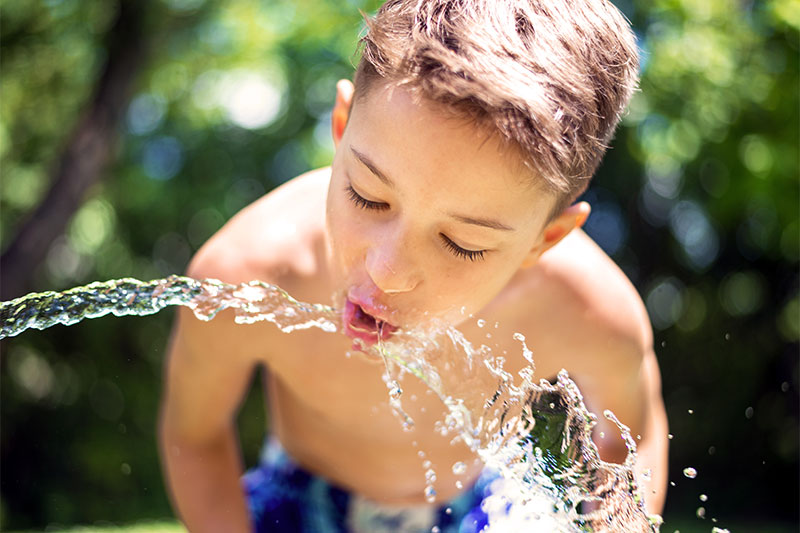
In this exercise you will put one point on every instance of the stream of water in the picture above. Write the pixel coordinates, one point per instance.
(537, 435)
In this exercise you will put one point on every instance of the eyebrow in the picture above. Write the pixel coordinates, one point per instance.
(486, 223)
(367, 162)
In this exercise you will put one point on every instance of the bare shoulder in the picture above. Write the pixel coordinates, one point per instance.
(581, 310)
(275, 239)
(210, 363)
(595, 291)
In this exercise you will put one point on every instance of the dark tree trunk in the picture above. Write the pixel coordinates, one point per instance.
(86, 155)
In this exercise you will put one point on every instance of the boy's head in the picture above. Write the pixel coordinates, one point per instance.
(551, 77)
(471, 126)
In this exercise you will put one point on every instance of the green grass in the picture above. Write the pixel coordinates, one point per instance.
(141, 527)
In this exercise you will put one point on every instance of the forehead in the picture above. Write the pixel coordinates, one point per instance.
(383, 105)
(408, 135)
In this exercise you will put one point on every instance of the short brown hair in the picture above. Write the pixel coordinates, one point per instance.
(552, 77)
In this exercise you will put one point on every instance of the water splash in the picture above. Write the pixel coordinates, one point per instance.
(252, 302)
(536, 435)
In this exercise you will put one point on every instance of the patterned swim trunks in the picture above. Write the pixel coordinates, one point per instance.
(283, 497)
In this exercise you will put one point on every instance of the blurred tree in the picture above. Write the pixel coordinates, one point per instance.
(89, 148)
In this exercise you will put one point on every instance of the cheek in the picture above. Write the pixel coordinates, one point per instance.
(472, 286)
(345, 232)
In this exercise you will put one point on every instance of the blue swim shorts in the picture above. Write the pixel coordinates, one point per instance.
(283, 497)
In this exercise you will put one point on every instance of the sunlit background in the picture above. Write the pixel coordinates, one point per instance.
(138, 128)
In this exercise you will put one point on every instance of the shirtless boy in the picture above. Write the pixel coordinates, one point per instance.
(471, 128)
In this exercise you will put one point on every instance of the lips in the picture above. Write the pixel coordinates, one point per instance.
(365, 326)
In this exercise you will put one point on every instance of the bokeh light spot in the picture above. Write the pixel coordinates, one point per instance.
(665, 302)
(606, 226)
(694, 312)
(91, 226)
(249, 98)
(145, 113)
(742, 293)
(162, 158)
(755, 154)
(692, 229)
(789, 319)
(31, 372)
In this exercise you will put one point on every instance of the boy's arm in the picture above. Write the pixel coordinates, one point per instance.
(629, 384)
(206, 375)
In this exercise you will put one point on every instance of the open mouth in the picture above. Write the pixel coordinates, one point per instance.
(360, 324)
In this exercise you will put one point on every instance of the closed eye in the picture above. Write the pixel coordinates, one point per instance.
(467, 255)
(362, 202)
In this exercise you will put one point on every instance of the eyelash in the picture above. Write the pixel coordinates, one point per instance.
(467, 255)
(461, 253)
(363, 203)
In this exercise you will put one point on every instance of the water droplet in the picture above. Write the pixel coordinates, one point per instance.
(671, 483)
(421, 454)
(449, 510)
(125, 468)
(663, 344)
(691, 411)
(701, 512)
(748, 413)
(518, 337)
(670, 436)
(459, 468)
(430, 476)
(602, 434)
(690, 472)
(784, 387)
(481, 322)
(552, 405)
(430, 494)
(712, 450)
(435, 529)
(459, 484)
(647, 474)
(426, 463)
(703, 498)
(395, 391)
(719, 530)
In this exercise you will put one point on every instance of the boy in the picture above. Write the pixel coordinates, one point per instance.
(471, 128)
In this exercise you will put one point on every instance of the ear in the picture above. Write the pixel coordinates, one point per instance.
(572, 218)
(341, 109)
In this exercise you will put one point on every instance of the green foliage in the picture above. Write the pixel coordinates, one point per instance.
(697, 201)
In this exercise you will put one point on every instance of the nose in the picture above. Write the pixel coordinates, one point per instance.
(391, 267)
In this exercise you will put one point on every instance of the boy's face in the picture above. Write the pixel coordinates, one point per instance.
(427, 217)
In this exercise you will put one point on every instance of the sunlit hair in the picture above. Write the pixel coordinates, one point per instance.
(550, 76)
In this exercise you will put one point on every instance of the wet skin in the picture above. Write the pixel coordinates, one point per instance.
(421, 218)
